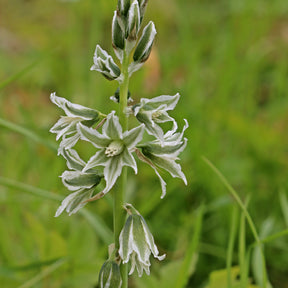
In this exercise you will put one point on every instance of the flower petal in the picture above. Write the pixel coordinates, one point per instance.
(132, 137)
(75, 180)
(169, 165)
(75, 201)
(74, 110)
(128, 160)
(74, 161)
(112, 128)
(99, 159)
(93, 136)
(112, 171)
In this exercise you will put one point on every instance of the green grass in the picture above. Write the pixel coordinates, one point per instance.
(228, 61)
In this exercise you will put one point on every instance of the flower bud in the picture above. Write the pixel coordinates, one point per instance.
(142, 5)
(118, 39)
(104, 63)
(110, 276)
(145, 43)
(133, 23)
(123, 6)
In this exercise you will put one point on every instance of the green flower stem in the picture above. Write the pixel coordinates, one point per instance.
(119, 195)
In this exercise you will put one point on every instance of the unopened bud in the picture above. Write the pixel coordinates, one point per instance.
(123, 6)
(110, 276)
(142, 5)
(145, 43)
(133, 23)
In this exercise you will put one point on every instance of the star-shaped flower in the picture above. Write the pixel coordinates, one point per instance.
(65, 127)
(154, 111)
(115, 148)
(137, 242)
(164, 155)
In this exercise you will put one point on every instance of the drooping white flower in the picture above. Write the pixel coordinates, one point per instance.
(65, 127)
(110, 275)
(83, 183)
(115, 148)
(137, 243)
(105, 64)
(153, 111)
(163, 154)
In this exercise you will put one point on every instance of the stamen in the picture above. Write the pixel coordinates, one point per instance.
(114, 148)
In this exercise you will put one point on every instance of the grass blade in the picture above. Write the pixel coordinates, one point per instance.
(284, 205)
(46, 272)
(247, 215)
(231, 243)
(28, 133)
(183, 275)
(97, 223)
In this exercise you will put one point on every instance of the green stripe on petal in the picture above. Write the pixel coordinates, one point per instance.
(169, 165)
(128, 160)
(112, 127)
(75, 180)
(124, 240)
(93, 136)
(99, 159)
(133, 137)
(112, 171)
(74, 161)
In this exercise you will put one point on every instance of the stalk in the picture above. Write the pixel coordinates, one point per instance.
(119, 194)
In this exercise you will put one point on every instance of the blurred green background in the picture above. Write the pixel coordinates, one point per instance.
(229, 61)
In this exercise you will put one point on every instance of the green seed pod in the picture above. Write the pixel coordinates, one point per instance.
(110, 276)
(145, 43)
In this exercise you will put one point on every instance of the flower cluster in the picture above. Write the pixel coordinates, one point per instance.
(116, 146)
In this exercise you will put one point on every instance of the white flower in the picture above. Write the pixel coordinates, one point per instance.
(137, 243)
(164, 155)
(115, 148)
(66, 125)
(84, 183)
(110, 275)
(154, 111)
(105, 64)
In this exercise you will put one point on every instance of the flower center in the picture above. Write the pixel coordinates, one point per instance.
(115, 148)
(156, 114)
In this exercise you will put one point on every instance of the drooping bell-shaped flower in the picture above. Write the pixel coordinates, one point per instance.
(153, 112)
(65, 127)
(84, 183)
(163, 155)
(137, 243)
(105, 64)
(110, 276)
(115, 148)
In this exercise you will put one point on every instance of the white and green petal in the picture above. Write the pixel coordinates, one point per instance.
(112, 128)
(75, 201)
(137, 243)
(75, 180)
(105, 64)
(132, 137)
(93, 136)
(74, 110)
(110, 275)
(74, 162)
(66, 126)
(153, 111)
